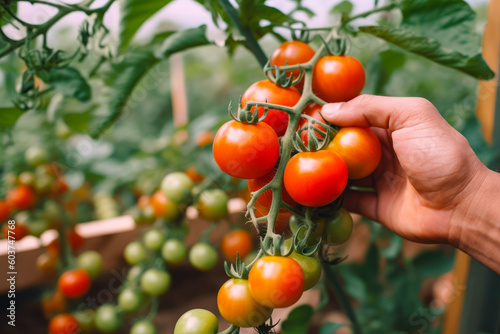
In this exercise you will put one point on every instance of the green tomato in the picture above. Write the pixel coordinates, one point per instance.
(43, 183)
(37, 227)
(130, 300)
(153, 239)
(85, 319)
(203, 256)
(177, 187)
(212, 205)
(155, 282)
(36, 156)
(143, 327)
(135, 253)
(107, 319)
(26, 178)
(197, 321)
(134, 272)
(62, 130)
(311, 267)
(315, 235)
(51, 211)
(91, 262)
(338, 229)
(174, 251)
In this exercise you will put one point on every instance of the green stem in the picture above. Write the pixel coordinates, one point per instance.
(373, 11)
(250, 41)
(343, 299)
(231, 330)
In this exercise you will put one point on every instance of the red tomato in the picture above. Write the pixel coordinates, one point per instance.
(265, 90)
(276, 281)
(21, 197)
(194, 175)
(163, 207)
(293, 53)
(64, 324)
(281, 222)
(74, 283)
(360, 149)
(338, 78)
(246, 151)
(17, 233)
(238, 307)
(143, 202)
(204, 138)
(237, 241)
(315, 178)
(266, 198)
(54, 303)
(76, 241)
(47, 263)
(59, 187)
(313, 110)
(4, 211)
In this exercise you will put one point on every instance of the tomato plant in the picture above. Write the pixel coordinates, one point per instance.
(74, 283)
(197, 321)
(266, 198)
(236, 242)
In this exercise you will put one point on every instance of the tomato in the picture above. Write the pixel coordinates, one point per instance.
(204, 138)
(155, 282)
(360, 149)
(293, 53)
(339, 228)
(37, 227)
(281, 221)
(74, 283)
(91, 262)
(135, 253)
(143, 327)
(85, 319)
(315, 178)
(163, 207)
(59, 187)
(43, 184)
(76, 241)
(21, 197)
(313, 110)
(63, 324)
(62, 130)
(194, 175)
(26, 178)
(4, 211)
(236, 242)
(276, 281)
(36, 155)
(177, 187)
(338, 78)
(15, 231)
(212, 205)
(203, 256)
(316, 233)
(246, 151)
(153, 239)
(311, 267)
(266, 198)
(54, 303)
(130, 300)
(197, 321)
(47, 263)
(238, 307)
(107, 319)
(174, 251)
(135, 272)
(143, 202)
(265, 90)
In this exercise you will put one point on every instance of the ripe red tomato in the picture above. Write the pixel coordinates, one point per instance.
(21, 197)
(163, 207)
(238, 307)
(194, 175)
(17, 233)
(76, 241)
(64, 324)
(237, 241)
(59, 187)
(204, 138)
(54, 303)
(282, 220)
(313, 110)
(293, 53)
(4, 211)
(47, 263)
(338, 78)
(276, 281)
(246, 151)
(265, 90)
(74, 283)
(360, 149)
(266, 198)
(315, 178)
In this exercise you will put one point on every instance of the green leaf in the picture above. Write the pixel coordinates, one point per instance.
(330, 328)
(183, 40)
(298, 320)
(354, 283)
(345, 8)
(433, 263)
(134, 14)
(78, 121)
(68, 81)
(394, 248)
(432, 50)
(380, 70)
(9, 116)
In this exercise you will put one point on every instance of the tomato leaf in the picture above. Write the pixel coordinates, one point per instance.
(9, 116)
(433, 263)
(345, 8)
(432, 50)
(298, 320)
(68, 81)
(134, 14)
(78, 121)
(183, 40)
(330, 328)
(394, 248)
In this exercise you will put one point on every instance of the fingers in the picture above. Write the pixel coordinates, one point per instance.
(363, 203)
(391, 113)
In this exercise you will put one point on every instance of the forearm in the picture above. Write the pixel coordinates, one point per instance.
(479, 232)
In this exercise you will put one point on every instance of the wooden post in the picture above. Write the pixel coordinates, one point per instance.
(178, 90)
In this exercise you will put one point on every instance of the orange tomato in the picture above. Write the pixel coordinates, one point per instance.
(236, 242)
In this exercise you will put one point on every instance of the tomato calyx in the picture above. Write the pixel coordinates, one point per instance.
(282, 75)
(301, 244)
(339, 48)
(246, 115)
(275, 246)
(237, 270)
(267, 328)
(317, 139)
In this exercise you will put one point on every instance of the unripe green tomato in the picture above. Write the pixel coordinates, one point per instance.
(135, 253)
(91, 262)
(212, 205)
(315, 235)
(155, 282)
(339, 228)
(38, 226)
(148, 214)
(134, 272)
(143, 327)
(85, 320)
(107, 319)
(22, 217)
(43, 183)
(203, 256)
(153, 239)
(129, 300)
(26, 178)
(311, 267)
(177, 187)
(36, 156)
(197, 321)
(174, 251)
(51, 212)
(62, 130)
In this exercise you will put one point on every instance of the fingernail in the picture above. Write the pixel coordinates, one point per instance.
(331, 109)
